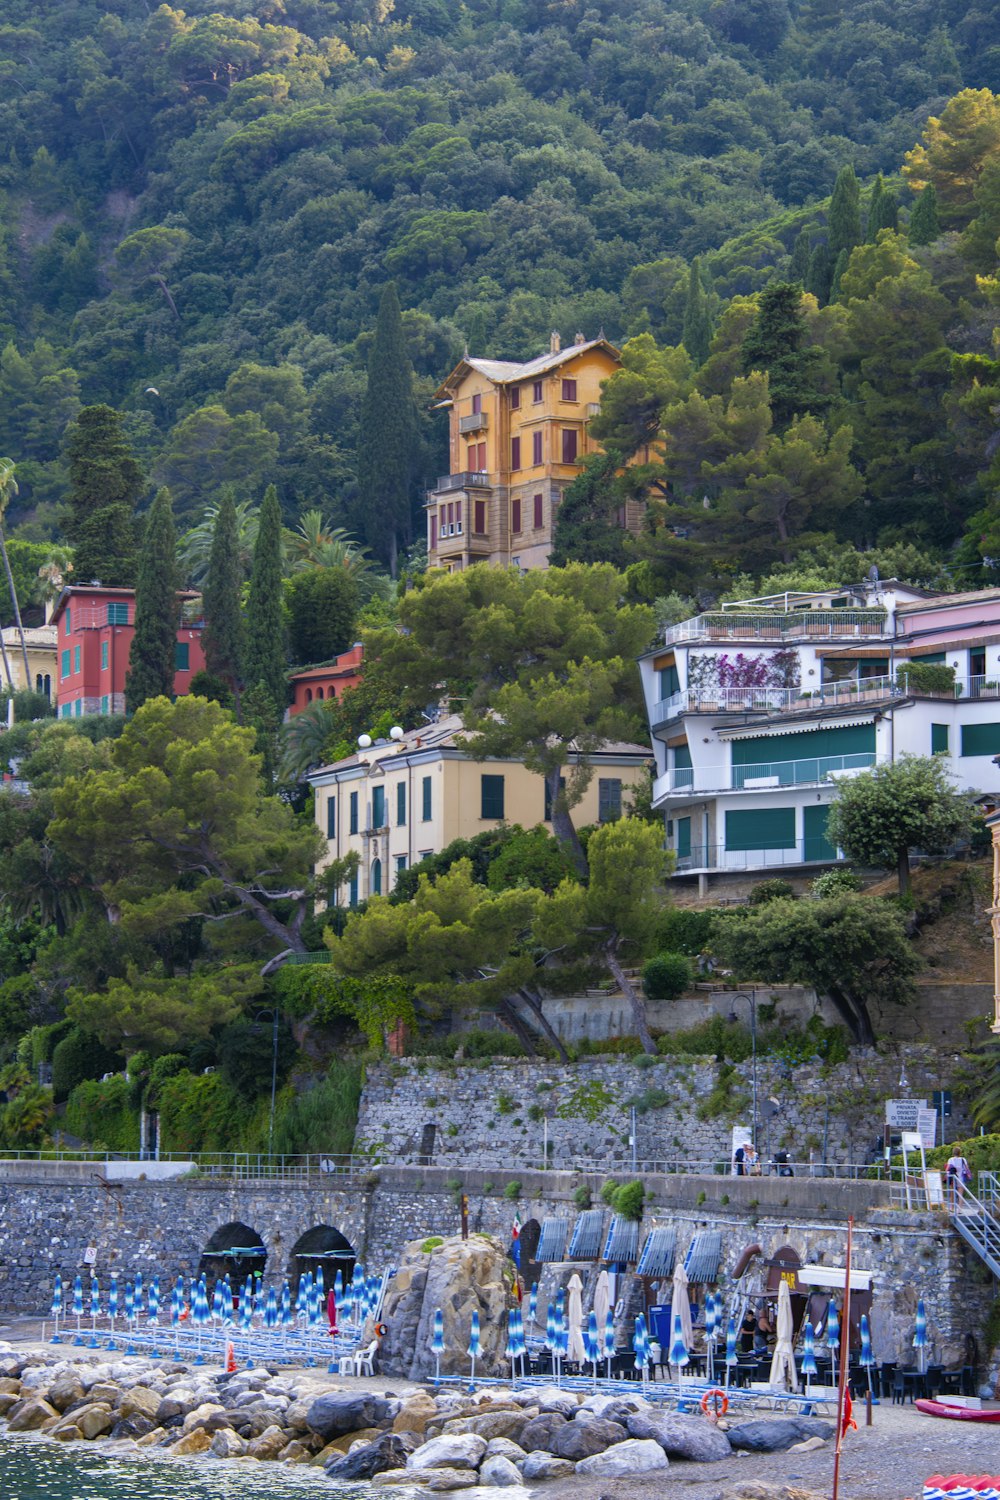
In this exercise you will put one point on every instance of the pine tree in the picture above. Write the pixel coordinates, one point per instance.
(105, 486)
(798, 269)
(838, 271)
(223, 635)
(388, 443)
(264, 659)
(775, 343)
(151, 658)
(697, 334)
(820, 274)
(925, 226)
(844, 218)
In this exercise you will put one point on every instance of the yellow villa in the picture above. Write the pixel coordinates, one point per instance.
(40, 645)
(517, 436)
(397, 801)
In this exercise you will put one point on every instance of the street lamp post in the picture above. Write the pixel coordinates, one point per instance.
(272, 1016)
(751, 1000)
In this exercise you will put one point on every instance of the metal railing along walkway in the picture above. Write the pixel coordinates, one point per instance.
(974, 1219)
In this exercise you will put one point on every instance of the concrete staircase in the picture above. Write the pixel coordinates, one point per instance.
(977, 1222)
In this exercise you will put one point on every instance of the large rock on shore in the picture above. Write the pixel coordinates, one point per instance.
(777, 1434)
(337, 1412)
(459, 1277)
(681, 1437)
(634, 1456)
(581, 1439)
(459, 1450)
(368, 1459)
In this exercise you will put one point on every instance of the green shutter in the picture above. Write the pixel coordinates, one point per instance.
(331, 818)
(933, 658)
(669, 683)
(425, 795)
(683, 838)
(981, 739)
(815, 843)
(855, 739)
(353, 827)
(764, 828)
(182, 657)
(491, 797)
(401, 804)
(378, 807)
(939, 739)
(682, 757)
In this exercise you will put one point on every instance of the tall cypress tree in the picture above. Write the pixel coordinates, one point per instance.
(151, 658)
(105, 484)
(798, 268)
(820, 274)
(264, 658)
(925, 226)
(388, 441)
(883, 211)
(844, 219)
(697, 333)
(223, 635)
(838, 271)
(775, 342)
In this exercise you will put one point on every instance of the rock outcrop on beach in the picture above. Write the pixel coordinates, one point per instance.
(459, 1277)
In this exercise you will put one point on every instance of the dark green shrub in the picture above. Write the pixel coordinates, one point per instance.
(771, 890)
(835, 882)
(201, 1112)
(667, 976)
(326, 1118)
(627, 1199)
(246, 1050)
(927, 677)
(43, 1041)
(98, 1111)
(582, 1197)
(491, 1044)
(532, 857)
(77, 1057)
(680, 930)
(19, 999)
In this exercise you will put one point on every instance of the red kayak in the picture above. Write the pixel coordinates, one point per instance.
(956, 1413)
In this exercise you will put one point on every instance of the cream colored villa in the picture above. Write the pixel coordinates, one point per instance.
(398, 801)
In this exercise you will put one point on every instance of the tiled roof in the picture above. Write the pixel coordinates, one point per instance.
(938, 601)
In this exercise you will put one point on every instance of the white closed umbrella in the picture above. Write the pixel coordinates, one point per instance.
(602, 1299)
(782, 1374)
(576, 1353)
(680, 1304)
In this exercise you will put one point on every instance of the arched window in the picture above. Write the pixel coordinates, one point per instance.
(319, 692)
(309, 695)
(38, 683)
(376, 877)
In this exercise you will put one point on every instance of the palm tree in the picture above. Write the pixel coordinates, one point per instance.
(303, 741)
(8, 489)
(317, 544)
(195, 546)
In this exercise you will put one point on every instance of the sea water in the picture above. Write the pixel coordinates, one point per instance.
(39, 1469)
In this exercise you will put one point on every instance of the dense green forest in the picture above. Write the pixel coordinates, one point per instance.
(200, 208)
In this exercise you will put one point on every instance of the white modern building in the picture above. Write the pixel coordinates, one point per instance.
(757, 708)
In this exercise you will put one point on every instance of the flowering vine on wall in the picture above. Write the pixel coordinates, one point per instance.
(723, 672)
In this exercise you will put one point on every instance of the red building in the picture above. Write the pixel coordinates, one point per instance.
(317, 684)
(95, 627)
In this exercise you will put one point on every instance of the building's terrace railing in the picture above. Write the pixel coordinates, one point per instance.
(774, 625)
(776, 700)
(717, 857)
(760, 775)
(468, 479)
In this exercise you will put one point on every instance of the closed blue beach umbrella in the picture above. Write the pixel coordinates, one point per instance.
(271, 1309)
(320, 1283)
(130, 1315)
(358, 1292)
(640, 1343)
(551, 1336)
(732, 1358)
(95, 1310)
(138, 1294)
(533, 1303)
(153, 1313)
(302, 1295)
(473, 1350)
(437, 1341)
(678, 1348)
(57, 1306)
(867, 1357)
(711, 1318)
(609, 1339)
(512, 1350)
(920, 1336)
(112, 1307)
(809, 1351)
(833, 1326)
(246, 1304)
(338, 1284)
(287, 1318)
(217, 1302)
(78, 1307)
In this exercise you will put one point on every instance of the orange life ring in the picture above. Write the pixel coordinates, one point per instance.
(717, 1400)
(381, 1329)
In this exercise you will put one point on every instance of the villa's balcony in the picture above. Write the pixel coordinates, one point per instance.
(688, 782)
(468, 479)
(779, 626)
(774, 700)
(708, 857)
(475, 422)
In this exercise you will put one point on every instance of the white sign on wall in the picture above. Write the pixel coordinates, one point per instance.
(927, 1128)
(901, 1114)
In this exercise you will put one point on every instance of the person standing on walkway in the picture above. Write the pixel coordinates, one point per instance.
(957, 1173)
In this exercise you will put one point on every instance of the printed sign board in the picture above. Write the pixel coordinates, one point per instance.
(927, 1128)
(901, 1114)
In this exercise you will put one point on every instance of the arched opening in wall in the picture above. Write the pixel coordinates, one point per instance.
(319, 694)
(321, 1247)
(376, 885)
(531, 1268)
(236, 1249)
(309, 695)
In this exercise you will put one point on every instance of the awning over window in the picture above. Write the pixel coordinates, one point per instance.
(702, 1260)
(586, 1241)
(552, 1240)
(658, 1253)
(766, 730)
(622, 1244)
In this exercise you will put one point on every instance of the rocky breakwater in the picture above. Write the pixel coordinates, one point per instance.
(451, 1441)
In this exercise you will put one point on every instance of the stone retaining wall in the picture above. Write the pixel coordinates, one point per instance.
(506, 1113)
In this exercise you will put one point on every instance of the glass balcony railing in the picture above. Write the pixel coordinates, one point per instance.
(809, 770)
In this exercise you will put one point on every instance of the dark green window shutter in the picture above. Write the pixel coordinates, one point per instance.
(353, 827)
(669, 683)
(764, 828)
(981, 739)
(683, 838)
(331, 818)
(378, 806)
(492, 797)
(816, 845)
(401, 804)
(939, 739)
(425, 799)
(182, 657)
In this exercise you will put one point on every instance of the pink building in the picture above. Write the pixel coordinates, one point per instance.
(94, 630)
(320, 684)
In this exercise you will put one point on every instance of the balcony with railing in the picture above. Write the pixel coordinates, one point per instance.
(475, 422)
(717, 857)
(468, 479)
(774, 700)
(778, 626)
(759, 776)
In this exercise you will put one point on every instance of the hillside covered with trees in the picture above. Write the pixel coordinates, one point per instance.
(201, 208)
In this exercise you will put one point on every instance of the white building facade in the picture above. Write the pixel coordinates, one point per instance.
(758, 708)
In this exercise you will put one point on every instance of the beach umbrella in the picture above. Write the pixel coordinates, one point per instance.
(511, 1350)
(731, 1356)
(867, 1356)
(576, 1353)
(78, 1307)
(833, 1336)
(287, 1316)
(271, 1310)
(153, 1302)
(112, 1306)
(920, 1337)
(522, 1347)
(130, 1315)
(551, 1336)
(246, 1304)
(217, 1310)
(358, 1292)
(609, 1339)
(320, 1283)
(591, 1341)
(373, 1294)
(560, 1303)
(95, 1310)
(200, 1313)
(711, 1326)
(302, 1295)
(57, 1302)
(437, 1343)
(640, 1343)
(680, 1304)
(782, 1372)
(338, 1283)
(679, 1356)
(473, 1350)
(809, 1351)
(562, 1334)
(138, 1294)
(533, 1303)
(602, 1298)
